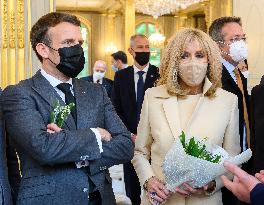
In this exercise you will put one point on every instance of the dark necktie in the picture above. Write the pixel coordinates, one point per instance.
(69, 98)
(140, 93)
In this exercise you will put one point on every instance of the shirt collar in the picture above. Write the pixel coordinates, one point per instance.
(230, 68)
(136, 69)
(52, 80)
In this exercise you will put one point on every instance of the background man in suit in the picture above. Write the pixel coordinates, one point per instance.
(9, 169)
(228, 33)
(119, 60)
(127, 96)
(69, 165)
(257, 124)
(99, 70)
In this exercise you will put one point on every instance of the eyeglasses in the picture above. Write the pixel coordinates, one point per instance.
(238, 39)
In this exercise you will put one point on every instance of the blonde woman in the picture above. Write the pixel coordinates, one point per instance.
(188, 98)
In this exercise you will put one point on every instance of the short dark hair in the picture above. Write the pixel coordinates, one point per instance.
(39, 31)
(215, 30)
(120, 55)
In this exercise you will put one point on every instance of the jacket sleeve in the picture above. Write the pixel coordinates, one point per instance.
(120, 149)
(257, 194)
(143, 145)
(27, 129)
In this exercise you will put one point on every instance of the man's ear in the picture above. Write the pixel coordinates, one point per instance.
(130, 50)
(42, 50)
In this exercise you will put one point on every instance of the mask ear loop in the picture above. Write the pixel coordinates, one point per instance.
(222, 42)
(52, 49)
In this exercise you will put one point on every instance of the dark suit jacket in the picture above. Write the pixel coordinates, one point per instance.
(257, 127)
(230, 85)
(5, 192)
(257, 195)
(262, 80)
(48, 160)
(107, 83)
(124, 96)
(9, 169)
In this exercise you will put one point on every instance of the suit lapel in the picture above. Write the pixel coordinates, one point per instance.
(228, 78)
(172, 114)
(44, 89)
(150, 78)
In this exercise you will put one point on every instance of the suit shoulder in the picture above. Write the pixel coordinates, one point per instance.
(225, 95)
(158, 91)
(87, 78)
(109, 80)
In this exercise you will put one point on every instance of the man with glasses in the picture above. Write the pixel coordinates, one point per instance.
(228, 33)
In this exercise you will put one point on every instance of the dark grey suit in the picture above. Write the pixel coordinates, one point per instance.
(48, 160)
(5, 194)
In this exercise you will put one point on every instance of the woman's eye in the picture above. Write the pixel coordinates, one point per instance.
(200, 55)
(184, 56)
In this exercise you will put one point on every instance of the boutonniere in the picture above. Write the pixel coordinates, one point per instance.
(60, 113)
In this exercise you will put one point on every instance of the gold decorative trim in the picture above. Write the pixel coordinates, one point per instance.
(51, 5)
(4, 16)
(29, 44)
(20, 23)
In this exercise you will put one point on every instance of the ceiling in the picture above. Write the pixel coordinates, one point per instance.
(89, 5)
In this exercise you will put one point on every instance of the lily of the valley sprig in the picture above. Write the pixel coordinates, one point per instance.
(60, 113)
(198, 149)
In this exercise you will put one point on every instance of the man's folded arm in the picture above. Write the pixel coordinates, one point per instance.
(26, 127)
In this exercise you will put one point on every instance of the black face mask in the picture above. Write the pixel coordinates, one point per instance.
(142, 58)
(71, 60)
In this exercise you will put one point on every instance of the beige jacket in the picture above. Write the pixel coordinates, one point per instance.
(159, 126)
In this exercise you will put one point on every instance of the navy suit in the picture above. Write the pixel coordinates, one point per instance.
(5, 193)
(124, 100)
(49, 173)
(257, 195)
(107, 84)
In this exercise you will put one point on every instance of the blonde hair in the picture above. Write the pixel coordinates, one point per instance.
(169, 67)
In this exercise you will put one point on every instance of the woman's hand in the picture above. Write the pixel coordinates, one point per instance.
(186, 190)
(156, 191)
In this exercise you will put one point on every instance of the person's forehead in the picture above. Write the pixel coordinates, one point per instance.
(65, 30)
(233, 29)
(140, 40)
(193, 44)
(100, 65)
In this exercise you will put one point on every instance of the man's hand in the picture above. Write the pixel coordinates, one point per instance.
(105, 135)
(242, 183)
(52, 128)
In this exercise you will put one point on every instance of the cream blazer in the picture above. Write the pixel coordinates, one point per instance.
(160, 124)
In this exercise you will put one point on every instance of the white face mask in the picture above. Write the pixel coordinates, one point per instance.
(98, 75)
(245, 74)
(193, 73)
(238, 51)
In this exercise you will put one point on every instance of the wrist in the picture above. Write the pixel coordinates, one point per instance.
(145, 185)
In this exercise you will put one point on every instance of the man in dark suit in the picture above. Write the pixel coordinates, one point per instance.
(67, 165)
(257, 123)
(5, 192)
(9, 169)
(228, 33)
(99, 70)
(127, 96)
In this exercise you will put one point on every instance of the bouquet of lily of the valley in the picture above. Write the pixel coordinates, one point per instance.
(60, 113)
(197, 162)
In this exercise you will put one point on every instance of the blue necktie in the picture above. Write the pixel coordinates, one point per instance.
(140, 93)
